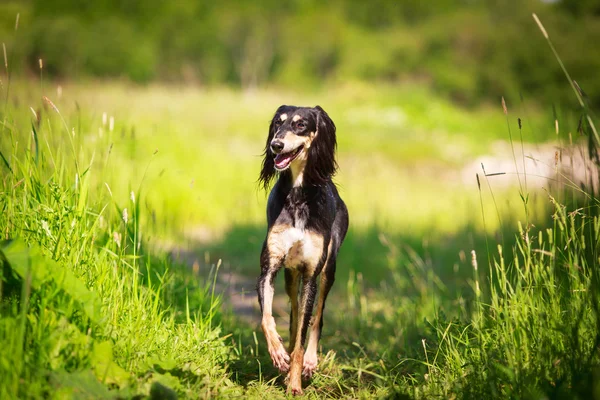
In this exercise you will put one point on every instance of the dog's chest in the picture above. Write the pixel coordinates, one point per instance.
(301, 248)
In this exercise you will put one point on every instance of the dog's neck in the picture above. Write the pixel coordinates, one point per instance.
(297, 173)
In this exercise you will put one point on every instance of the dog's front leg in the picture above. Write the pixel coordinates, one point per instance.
(292, 281)
(266, 291)
(309, 289)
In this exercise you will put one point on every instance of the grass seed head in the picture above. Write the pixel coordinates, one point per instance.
(474, 259)
(51, 104)
(539, 23)
(117, 239)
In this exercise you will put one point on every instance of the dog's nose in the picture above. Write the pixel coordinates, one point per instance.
(277, 146)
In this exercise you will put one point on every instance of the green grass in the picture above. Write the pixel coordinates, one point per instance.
(84, 308)
(170, 137)
(93, 304)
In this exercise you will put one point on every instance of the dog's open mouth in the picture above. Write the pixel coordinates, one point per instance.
(283, 160)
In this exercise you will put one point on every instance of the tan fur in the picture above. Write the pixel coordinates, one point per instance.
(297, 166)
(295, 375)
(296, 118)
(283, 117)
(291, 142)
(269, 328)
(295, 246)
(275, 346)
(277, 242)
(293, 295)
(297, 356)
(311, 348)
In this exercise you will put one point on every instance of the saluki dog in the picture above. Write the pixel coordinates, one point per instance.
(307, 222)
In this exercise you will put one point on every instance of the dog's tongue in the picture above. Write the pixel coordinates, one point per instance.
(282, 160)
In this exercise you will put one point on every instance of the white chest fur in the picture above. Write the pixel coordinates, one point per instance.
(296, 247)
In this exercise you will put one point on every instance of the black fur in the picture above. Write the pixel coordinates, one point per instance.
(314, 206)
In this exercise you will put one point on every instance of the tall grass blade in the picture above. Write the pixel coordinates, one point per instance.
(37, 143)
(6, 162)
(571, 81)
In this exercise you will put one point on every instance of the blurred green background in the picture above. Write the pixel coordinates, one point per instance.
(467, 50)
(146, 120)
(413, 87)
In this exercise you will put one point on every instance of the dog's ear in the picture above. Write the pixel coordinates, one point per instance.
(324, 123)
(321, 164)
(268, 165)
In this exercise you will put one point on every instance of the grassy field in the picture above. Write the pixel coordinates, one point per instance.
(103, 182)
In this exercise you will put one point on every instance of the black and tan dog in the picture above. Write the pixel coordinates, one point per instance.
(307, 222)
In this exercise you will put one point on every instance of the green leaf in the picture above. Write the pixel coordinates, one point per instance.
(167, 381)
(80, 385)
(105, 368)
(27, 261)
(20, 258)
(164, 364)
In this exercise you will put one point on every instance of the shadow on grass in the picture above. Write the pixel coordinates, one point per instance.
(424, 274)
(376, 254)
(393, 292)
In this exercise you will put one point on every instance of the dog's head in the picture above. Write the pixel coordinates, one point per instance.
(303, 139)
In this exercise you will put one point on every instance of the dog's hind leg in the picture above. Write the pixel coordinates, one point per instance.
(292, 280)
(266, 292)
(310, 357)
(309, 289)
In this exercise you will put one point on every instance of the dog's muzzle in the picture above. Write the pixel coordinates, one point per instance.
(277, 146)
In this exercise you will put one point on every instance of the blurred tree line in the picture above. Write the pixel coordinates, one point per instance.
(469, 50)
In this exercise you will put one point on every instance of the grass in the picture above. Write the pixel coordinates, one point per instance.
(223, 131)
(84, 308)
(103, 180)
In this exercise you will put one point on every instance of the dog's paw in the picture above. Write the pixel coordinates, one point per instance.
(294, 385)
(310, 365)
(295, 391)
(280, 358)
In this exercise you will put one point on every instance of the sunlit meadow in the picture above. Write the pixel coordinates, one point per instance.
(129, 212)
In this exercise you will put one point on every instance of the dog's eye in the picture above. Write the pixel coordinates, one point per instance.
(278, 123)
(300, 125)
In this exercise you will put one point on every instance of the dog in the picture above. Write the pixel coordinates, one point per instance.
(307, 223)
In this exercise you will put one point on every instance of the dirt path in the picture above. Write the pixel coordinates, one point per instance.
(237, 291)
(540, 164)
